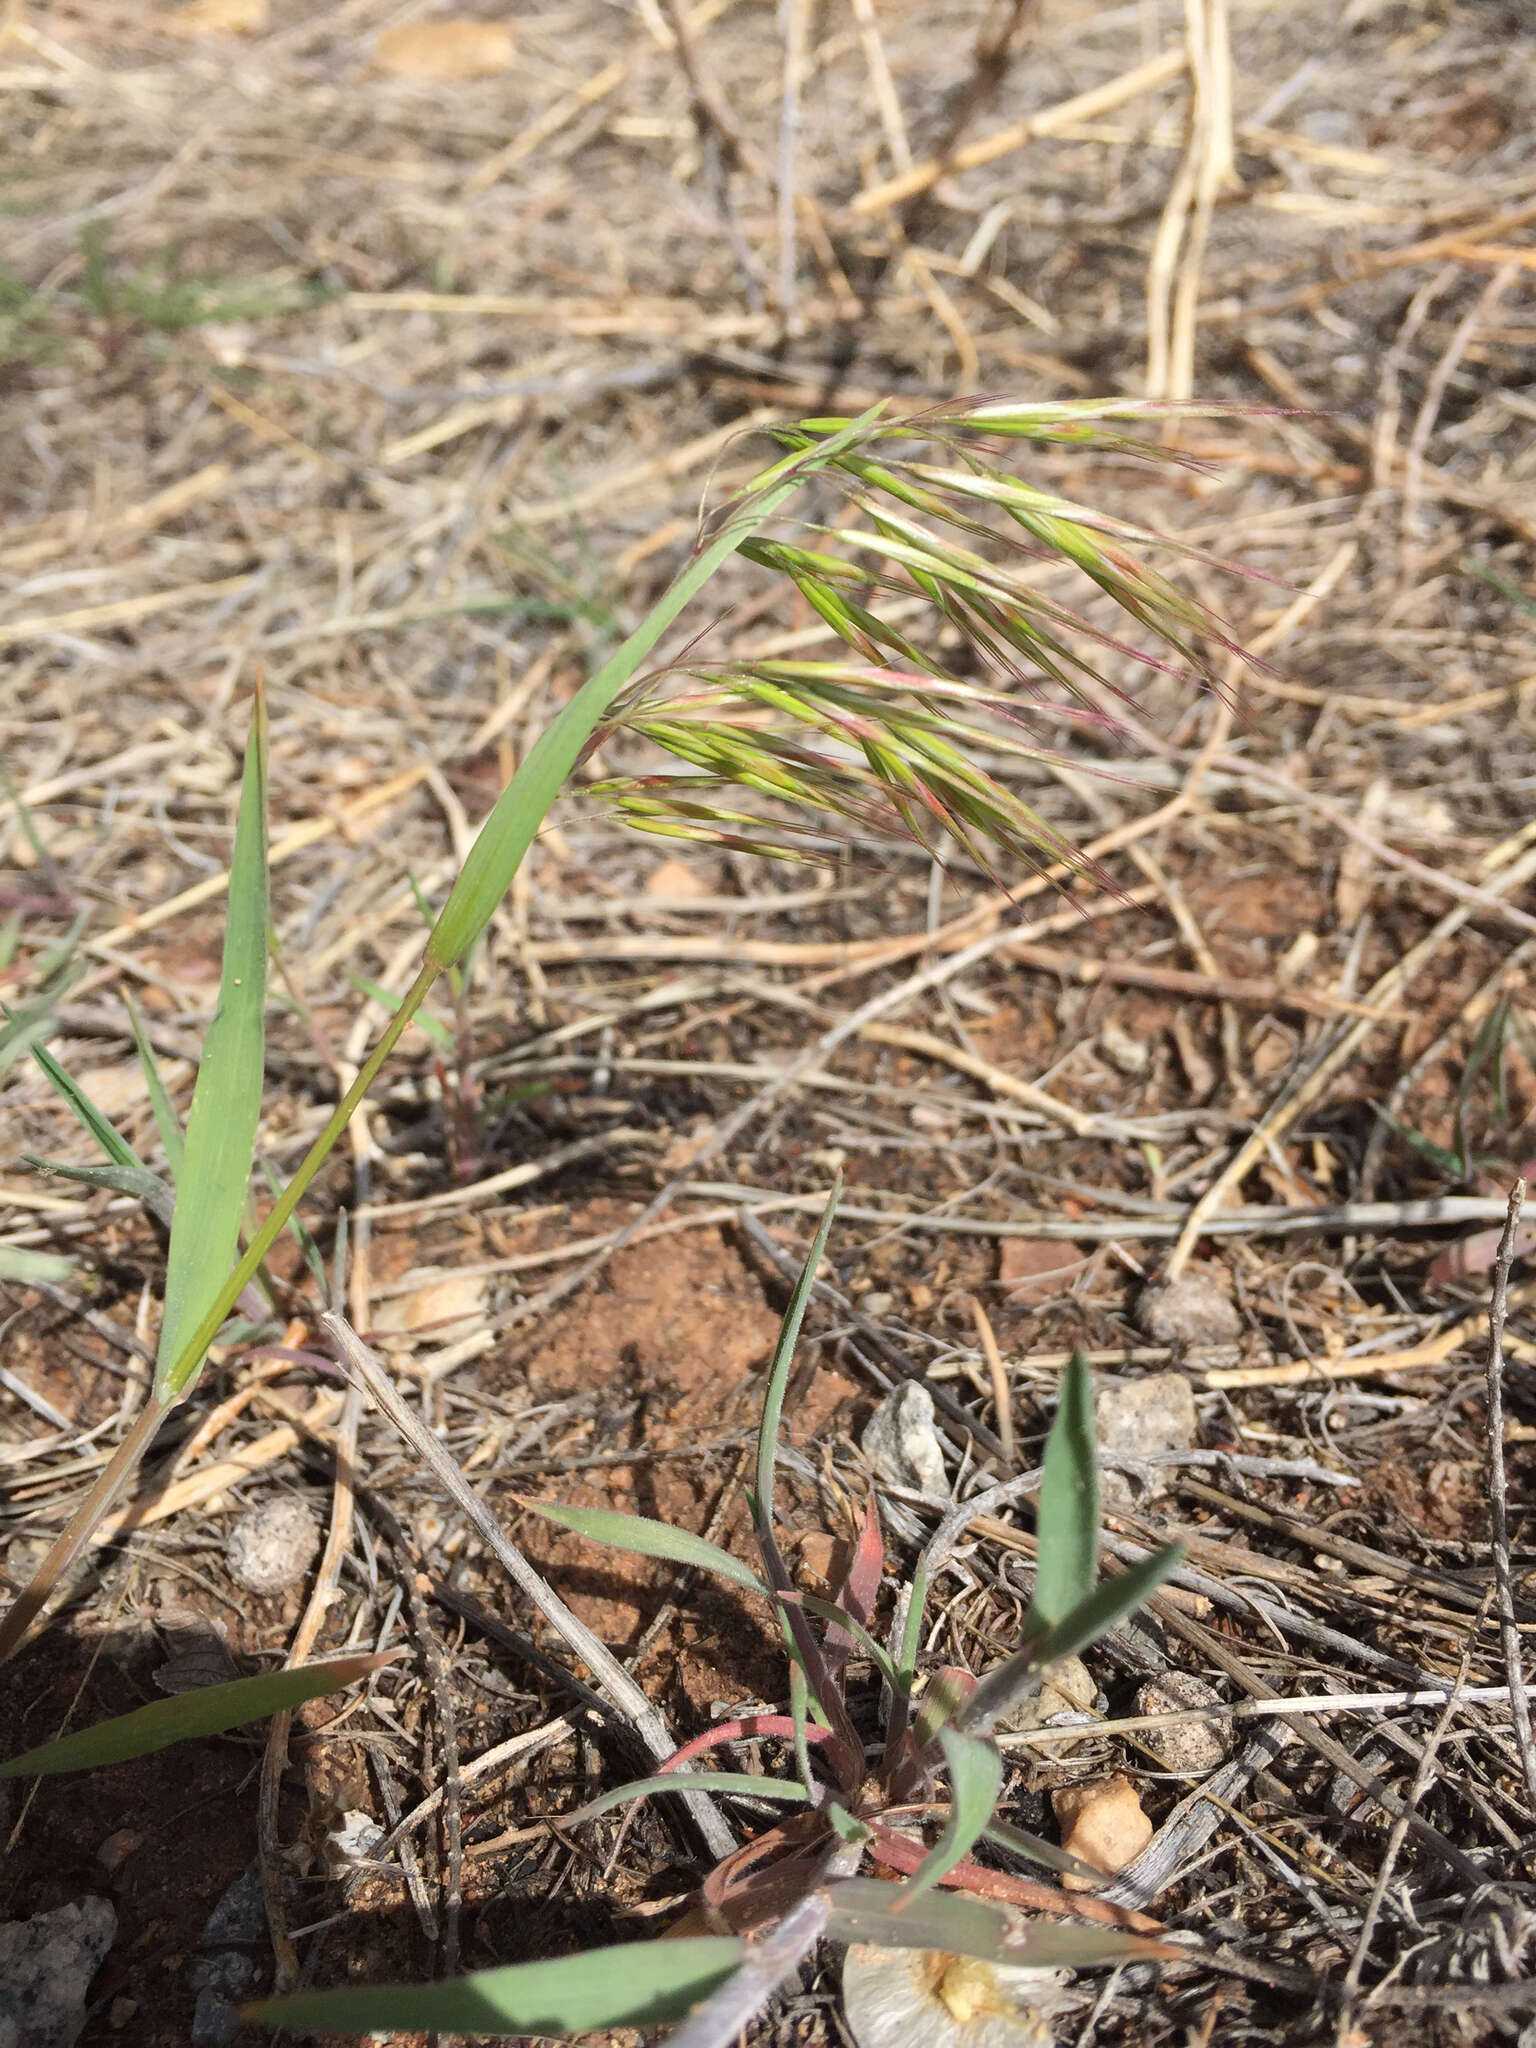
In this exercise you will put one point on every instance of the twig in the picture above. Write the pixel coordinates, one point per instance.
(1002, 1393)
(1399, 1834)
(275, 1758)
(1335, 1054)
(792, 25)
(610, 1675)
(1083, 106)
(1498, 1492)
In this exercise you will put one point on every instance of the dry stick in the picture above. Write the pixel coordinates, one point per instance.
(726, 1132)
(1268, 1710)
(610, 1675)
(792, 15)
(1421, 1781)
(275, 1759)
(882, 85)
(1335, 1054)
(1226, 1659)
(1434, 396)
(1469, 1016)
(1435, 878)
(1083, 106)
(1498, 1492)
(709, 101)
(1002, 1393)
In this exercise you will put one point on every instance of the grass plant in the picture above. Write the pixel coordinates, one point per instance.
(788, 757)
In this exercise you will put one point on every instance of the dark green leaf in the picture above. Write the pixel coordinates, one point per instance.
(108, 1138)
(188, 1715)
(640, 1984)
(1067, 1519)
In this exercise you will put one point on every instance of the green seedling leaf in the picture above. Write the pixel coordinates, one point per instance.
(943, 1697)
(740, 1782)
(26, 1267)
(187, 1716)
(167, 1123)
(1067, 1520)
(975, 1779)
(111, 1142)
(640, 1984)
(783, 1359)
(868, 1909)
(650, 1539)
(1449, 1163)
(137, 1181)
(303, 1237)
(23, 1028)
(226, 1102)
(1109, 1602)
(946, 1921)
(1036, 1850)
(845, 1825)
(436, 1030)
(853, 1632)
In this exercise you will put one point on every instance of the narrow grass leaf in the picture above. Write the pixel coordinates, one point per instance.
(785, 1790)
(640, 1984)
(108, 1138)
(186, 1716)
(946, 1921)
(650, 1539)
(28, 1267)
(1067, 1519)
(433, 1027)
(226, 1102)
(167, 1123)
(1037, 1850)
(869, 1909)
(1109, 1602)
(783, 1359)
(975, 1779)
(138, 1181)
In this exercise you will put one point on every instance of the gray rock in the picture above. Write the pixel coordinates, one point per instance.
(1141, 1417)
(46, 1967)
(273, 1546)
(1068, 1692)
(1193, 1310)
(902, 1444)
(1127, 1055)
(1192, 1748)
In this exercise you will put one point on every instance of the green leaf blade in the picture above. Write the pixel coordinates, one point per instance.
(189, 1716)
(650, 1539)
(743, 1784)
(637, 1984)
(116, 1147)
(1067, 1520)
(975, 1779)
(784, 1358)
(226, 1102)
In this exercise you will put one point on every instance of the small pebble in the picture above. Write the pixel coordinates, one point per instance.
(1193, 1310)
(1127, 1055)
(273, 1546)
(1141, 1417)
(1102, 1825)
(901, 1443)
(1192, 1748)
